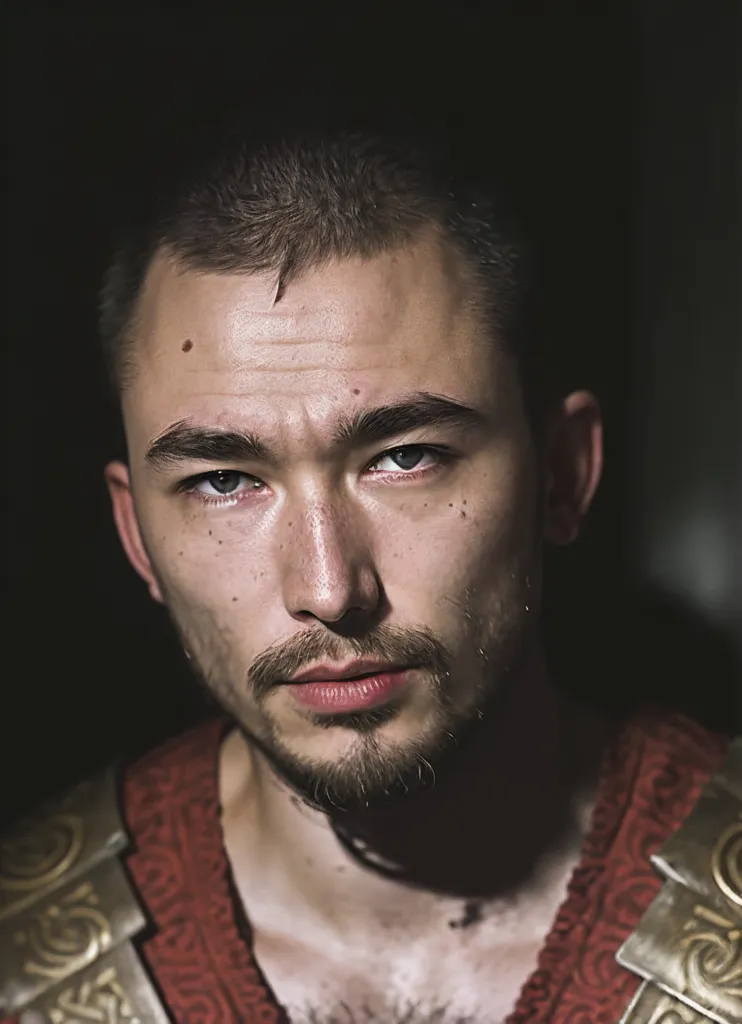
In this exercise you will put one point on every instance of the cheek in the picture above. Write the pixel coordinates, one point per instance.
(468, 551)
(205, 561)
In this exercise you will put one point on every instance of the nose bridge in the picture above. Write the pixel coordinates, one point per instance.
(321, 535)
(327, 568)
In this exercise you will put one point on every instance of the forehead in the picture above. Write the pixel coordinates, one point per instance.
(208, 344)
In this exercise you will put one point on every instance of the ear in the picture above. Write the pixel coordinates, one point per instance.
(574, 462)
(125, 517)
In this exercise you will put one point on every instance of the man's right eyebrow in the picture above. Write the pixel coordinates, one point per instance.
(184, 442)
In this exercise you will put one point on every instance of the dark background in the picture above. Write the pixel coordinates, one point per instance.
(618, 127)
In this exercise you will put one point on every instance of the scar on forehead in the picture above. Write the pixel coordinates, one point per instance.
(268, 292)
(275, 295)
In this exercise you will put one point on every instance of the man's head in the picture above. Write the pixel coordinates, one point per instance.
(339, 453)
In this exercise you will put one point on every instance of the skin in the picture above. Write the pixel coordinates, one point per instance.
(327, 550)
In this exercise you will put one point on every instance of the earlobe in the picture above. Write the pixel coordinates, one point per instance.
(124, 515)
(574, 463)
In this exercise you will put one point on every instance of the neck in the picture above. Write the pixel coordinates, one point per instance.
(508, 800)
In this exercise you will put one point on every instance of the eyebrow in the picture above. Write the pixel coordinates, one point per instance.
(184, 441)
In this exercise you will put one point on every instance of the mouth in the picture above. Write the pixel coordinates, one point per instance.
(353, 687)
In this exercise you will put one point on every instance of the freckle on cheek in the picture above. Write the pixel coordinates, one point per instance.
(187, 345)
(450, 504)
(220, 542)
(463, 514)
(356, 391)
(209, 532)
(235, 599)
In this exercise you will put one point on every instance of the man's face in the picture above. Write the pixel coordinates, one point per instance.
(288, 522)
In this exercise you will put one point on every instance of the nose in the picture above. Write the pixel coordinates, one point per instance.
(328, 572)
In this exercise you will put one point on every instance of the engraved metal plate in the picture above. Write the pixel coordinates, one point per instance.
(59, 842)
(115, 989)
(691, 950)
(688, 945)
(706, 853)
(651, 1005)
(64, 932)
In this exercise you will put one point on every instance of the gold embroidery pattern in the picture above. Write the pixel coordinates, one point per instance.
(66, 936)
(726, 862)
(101, 1000)
(713, 955)
(36, 856)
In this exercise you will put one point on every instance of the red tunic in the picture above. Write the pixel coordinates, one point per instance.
(200, 952)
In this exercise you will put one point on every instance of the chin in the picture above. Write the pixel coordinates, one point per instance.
(359, 760)
(369, 775)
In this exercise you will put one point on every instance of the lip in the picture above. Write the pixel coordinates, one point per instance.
(344, 673)
(369, 690)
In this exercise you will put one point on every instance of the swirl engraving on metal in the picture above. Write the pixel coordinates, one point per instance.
(651, 1005)
(726, 862)
(677, 1016)
(713, 954)
(102, 999)
(65, 936)
(36, 856)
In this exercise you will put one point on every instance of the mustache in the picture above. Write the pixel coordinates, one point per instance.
(402, 646)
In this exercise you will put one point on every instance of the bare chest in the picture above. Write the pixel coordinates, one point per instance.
(468, 968)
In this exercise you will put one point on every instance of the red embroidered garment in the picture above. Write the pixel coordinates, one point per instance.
(201, 958)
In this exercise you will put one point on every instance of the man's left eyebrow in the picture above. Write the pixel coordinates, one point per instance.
(422, 409)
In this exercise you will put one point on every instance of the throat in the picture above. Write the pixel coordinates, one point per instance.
(515, 798)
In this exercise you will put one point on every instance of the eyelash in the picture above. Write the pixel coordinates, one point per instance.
(444, 455)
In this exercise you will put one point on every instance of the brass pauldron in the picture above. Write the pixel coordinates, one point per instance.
(688, 946)
(68, 915)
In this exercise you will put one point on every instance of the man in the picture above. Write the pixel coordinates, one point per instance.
(345, 457)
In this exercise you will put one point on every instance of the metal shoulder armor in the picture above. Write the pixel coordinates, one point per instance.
(68, 915)
(688, 946)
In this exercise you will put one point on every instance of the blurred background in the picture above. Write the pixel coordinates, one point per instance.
(618, 126)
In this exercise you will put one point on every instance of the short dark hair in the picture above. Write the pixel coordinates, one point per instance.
(290, 202)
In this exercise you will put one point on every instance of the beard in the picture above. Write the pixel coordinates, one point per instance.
(373, 770)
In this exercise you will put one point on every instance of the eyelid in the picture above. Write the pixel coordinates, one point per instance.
(190, 482)
(441, 450)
